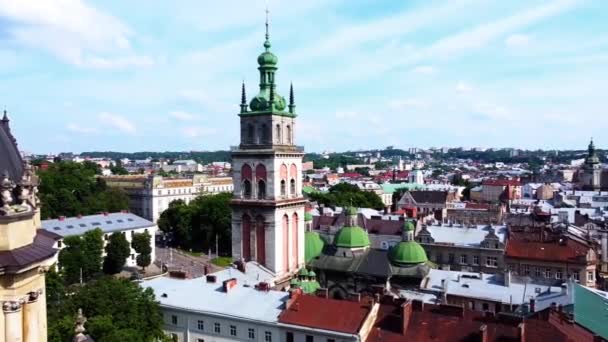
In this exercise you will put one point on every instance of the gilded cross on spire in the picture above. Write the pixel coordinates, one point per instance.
(267, 42)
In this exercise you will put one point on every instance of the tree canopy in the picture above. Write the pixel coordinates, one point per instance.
(82, 252)
(70, 189)
(117, 252)
(141, 244)
(196, 225)
(344, 194)
(116, 311)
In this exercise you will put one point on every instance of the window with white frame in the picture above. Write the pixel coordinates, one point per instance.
(217, 328)
(491, 261)
(590, 276)
(174, 319)
(475, 259)
(201, 325)
(268, 336)
(558, 274)
(575, 275)
(251, 333)
(525, 270)
(233, 330)
(464, 259)
(538, 272)
(548, 273)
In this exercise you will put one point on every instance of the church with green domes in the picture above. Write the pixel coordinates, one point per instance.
(348, 265)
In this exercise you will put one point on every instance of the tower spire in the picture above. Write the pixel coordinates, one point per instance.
(5, 117)
(267, 42)
(292, 104)
(243, 98)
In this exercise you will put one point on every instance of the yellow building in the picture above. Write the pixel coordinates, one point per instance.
(26, 252)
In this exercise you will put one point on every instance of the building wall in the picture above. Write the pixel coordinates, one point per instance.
(558, 271)
(187, 329)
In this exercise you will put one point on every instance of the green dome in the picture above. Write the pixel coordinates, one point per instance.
(350, 211)
(409, 226)
(351, 237)
(312, 274)
(310, 287)
(303, 272)
(262, 101)
(267, 58)
(313, 245)
(294, 282)
(407, 252)
(307, 217)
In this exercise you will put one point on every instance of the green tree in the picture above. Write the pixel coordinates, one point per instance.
(196, 225)
(117, 252)
(81, 254)
(70, 189)
(118, 169)
(344, 194)
(141, 243)
(116, 311)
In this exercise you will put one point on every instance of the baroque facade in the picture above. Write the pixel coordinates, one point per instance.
(26, 252)
(268, 205)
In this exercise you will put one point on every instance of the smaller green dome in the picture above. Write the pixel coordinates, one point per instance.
(267, 58)
(409, 226)
(303, 272)
(313, 245)
(408, 252)
(307, 217)
(351, 237)
(351, 211)
(310, 287)
(312, 274)
(294, 282)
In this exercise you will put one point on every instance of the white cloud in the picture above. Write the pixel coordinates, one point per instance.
(197, 131)
(517, 40)
(463, 87)
(118, 122)
(76, 128)
(182, 116)
(424, 69)
(71, 30)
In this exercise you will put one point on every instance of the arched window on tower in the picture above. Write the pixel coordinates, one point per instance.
(261, 189)
(246, 176)
(246, 188)
(292, 187)
(278, 134)
(250, 134)
(260, 176)
(264, 134)
(289, 138)
(283, 190)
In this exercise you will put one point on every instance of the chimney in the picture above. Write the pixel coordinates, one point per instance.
(521, 332)
(79, 216)
(228, 284)
(483, 333)
(61, 218)
(105, 213)
(210, 277)
(406, 310)
(206, 270)
(508, 278)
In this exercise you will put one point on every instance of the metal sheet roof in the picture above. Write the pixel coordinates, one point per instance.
(108, 223)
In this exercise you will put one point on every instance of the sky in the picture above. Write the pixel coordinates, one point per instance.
(154, 75)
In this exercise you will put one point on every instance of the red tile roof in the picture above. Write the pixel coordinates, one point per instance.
(329, 314)
(527, 246)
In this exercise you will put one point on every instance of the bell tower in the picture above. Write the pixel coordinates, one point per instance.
(268, 206)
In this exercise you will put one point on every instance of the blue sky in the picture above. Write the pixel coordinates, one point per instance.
(165, 75)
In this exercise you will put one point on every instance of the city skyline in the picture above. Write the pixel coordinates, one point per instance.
(108, 76)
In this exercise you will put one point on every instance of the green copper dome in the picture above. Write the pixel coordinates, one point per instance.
(313, 245)
(267, 58)
(407, 252)
(350, 211)
(262, 101)
(351, 237)
(303, 272)
(409, 226)
(307, 217)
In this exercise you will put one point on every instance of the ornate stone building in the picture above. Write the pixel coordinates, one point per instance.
(26, 252)
(268, 206)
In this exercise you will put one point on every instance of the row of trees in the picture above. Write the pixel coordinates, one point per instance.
(344, 194)
(82, 257)
(117, 310)
(197, 225)
(70, 189)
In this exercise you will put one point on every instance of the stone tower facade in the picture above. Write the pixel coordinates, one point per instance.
(268, 206)
(591, 174)
(26, 252)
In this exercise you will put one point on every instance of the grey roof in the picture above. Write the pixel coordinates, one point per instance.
(108, 223)
(10, 158)
(471, 237)
(241, 302)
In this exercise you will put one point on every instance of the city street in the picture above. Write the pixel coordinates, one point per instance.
(177, 260)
